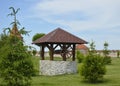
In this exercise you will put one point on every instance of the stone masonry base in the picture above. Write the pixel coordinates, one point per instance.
(50, 68)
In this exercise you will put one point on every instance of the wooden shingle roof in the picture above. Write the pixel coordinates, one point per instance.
(60, 36)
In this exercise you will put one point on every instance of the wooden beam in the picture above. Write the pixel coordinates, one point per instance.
(51, 51)
(42, 52)
(68, 45)
(73, 52)
(64, 52)
(56, 46)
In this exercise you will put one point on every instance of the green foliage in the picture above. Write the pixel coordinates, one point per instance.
(3, 37)
(15, 23)
(16, 67)
(37, 35)
(118, 54)
(34, 52)
(13, 13)
(24, 32)
(107, 59)
(92, 48)
(111, 78)
(93, 67)
(79, 56)
(106, 51)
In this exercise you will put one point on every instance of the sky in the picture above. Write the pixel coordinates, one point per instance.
(91, 20)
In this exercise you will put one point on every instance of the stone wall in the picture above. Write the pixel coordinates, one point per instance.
(48, 67)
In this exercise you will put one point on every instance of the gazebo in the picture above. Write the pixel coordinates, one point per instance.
(67, 43)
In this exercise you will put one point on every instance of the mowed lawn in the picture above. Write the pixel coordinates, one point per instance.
(112, 77)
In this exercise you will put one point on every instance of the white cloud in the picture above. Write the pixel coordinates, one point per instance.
(100, 13)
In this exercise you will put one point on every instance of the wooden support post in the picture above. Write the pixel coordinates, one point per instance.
(51, 55)
(64, 52)
(51, 52)
(73, 52)
(42, 52)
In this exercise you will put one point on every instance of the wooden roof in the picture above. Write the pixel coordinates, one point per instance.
(60, 36)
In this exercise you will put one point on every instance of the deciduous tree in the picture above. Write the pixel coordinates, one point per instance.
(37, 35)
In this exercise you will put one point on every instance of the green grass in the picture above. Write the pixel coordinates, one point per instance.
(36, 64)
(112, 77)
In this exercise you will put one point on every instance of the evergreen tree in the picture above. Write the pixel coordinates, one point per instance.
(93, 67)
(16, 67)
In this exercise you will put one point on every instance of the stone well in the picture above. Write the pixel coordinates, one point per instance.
(50, 68)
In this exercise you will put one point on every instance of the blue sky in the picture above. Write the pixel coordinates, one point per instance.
(97, 20)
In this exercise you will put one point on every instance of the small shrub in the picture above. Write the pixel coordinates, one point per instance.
(118, 54)
(93, 68)
(79, 56)
(107, 60)
(34, 52)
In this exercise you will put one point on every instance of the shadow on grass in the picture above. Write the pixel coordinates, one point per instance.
(104, 81)
(47, 84)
